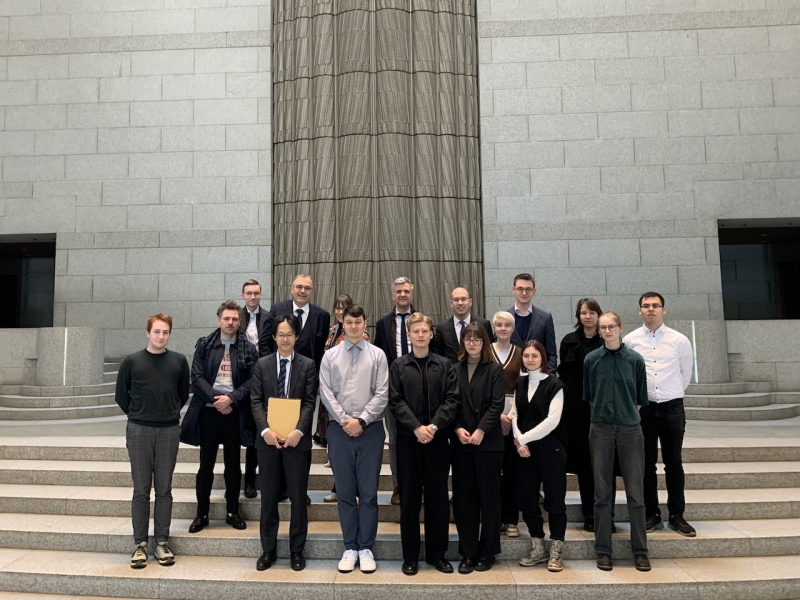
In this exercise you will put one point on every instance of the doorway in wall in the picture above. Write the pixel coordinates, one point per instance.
(27, 280)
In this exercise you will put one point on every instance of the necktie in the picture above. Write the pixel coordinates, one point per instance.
(252, 330)
(403, 335)
(461, 331)
(299, 313)
(282, 378)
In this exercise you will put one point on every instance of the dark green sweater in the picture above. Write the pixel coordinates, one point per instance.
(152, 388)
(614, 383)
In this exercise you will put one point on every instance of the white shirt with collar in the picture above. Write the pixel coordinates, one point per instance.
(456, 322)
(278, 359)
(668, 358)
(252, 326)
(306, 311)
(398, 328)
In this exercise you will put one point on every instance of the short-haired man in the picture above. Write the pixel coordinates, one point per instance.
(152, 387)
(220, 411)
(252, 319)
(668, 358)
(314, 321)
(391, 336)
(424, 397)
(447, 335)
(532, 322)
(354, 386)
(284, 374)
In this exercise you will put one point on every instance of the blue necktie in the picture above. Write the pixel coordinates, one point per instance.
(403, 335)
(282, 378)
(299, 313)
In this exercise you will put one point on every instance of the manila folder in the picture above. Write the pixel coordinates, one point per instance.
(283, 415)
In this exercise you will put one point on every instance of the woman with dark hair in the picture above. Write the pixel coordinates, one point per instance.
(615, 386)
(477, 451)
(540, 440)
(576, 417)
(335, 337)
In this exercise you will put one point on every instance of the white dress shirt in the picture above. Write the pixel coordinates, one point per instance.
(668, 358)
(549, 423)
(398, 319)
(306, 311)
(467, 320)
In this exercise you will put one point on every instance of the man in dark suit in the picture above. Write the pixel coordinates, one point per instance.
(447, 338)
(532, 323)
(284, 374)
(391, 336)
(251, 322)
(315, 322)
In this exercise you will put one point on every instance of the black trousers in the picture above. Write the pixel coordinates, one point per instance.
(216, 429)
(509, 510)
(273, 466)
(664, 422)
(476, 501)
(423, 467)
(250, 465)
(546, 467)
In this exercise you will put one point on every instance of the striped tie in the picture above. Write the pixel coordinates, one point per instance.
(282, 378)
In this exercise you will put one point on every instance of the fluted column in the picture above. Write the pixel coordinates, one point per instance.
(376, 162)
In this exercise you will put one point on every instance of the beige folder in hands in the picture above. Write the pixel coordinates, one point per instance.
(283, 415)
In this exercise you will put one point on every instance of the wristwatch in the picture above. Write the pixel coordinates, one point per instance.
(362, 422)
(434, 427)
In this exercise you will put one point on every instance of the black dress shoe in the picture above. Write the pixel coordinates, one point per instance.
(266, 560)
(442, 565)
(604, 562)
(235, 521)
(298, 562)
(466, 566)
(680, 525)
(410, 567)
(198, 524)
(653, 522)
(250, 491)
(588, 525)
(484, 564)
(641, 562)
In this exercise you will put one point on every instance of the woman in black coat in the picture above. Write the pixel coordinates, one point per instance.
(574, 348)
(477, 450)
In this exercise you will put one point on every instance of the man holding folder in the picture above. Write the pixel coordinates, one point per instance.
(283, 450)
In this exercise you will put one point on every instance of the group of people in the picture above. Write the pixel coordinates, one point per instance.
(490, 402)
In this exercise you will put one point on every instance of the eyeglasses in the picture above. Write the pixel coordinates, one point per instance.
(524, 290)
(303, 288)
(473, 341)
(607, 327)
(459, 300)
(656, 305)
(284, 336)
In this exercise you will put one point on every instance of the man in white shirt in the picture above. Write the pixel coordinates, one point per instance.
(447, 333)
(668, 358)
(354, 386)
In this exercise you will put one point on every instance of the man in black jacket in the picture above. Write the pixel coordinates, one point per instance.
(448, 333)
(221, 372)
(424, 398)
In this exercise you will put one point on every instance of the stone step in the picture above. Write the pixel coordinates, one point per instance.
(113, 534)
(15, 401)
(712, 475)
(706, 505)
(757, 413)
(747, 400)
(57, 414)
(733, 387)
(112, 448)
(214, 577)
(110, 376)
(57, 390)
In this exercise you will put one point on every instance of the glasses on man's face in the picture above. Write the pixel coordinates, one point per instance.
(473, 341)
(303, 288)
(524, 290)
(647, 306)
(607, 327)
(457, 300)
(284, 336)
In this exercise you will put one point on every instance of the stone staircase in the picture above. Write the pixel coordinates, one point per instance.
(740, 401)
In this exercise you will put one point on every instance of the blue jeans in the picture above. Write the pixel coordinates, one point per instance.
(628, 441)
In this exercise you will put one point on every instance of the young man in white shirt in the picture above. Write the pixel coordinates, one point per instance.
(668, 358)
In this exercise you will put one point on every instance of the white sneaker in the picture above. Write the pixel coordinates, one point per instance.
(349, 561)
(366, 561)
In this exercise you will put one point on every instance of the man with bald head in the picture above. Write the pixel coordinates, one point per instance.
(447, 338)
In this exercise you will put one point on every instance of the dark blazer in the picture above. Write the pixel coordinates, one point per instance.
(244, 321)
(406, 402)
(310, 343)
(204, 373)
(482, 402)
(385, 330)
(302, 384)
(445, 341)
(542, 330)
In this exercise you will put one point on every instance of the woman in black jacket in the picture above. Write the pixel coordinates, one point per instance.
(574, 348)
(477, 451)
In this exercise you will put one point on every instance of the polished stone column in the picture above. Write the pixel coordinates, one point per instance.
(376, 161)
